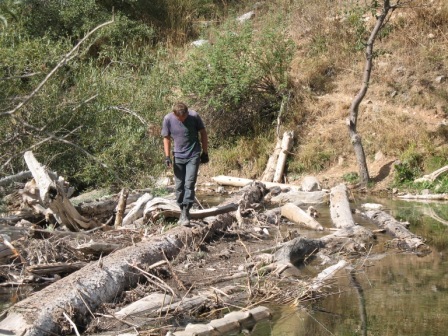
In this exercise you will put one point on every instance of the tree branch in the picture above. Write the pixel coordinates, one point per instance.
(51, 73)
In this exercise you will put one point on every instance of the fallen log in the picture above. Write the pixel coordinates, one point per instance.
(434, 197)
(433, 176)
(137, 211)
(297, 215)
(102, 208)
(55, 268)
(296, 250)
(101, 281)
(340, 211)
(98, 248)
(231, 322)
(52, 195)
(241, 182)
(22, 176)
(162, 208)
(397, 229)
(297, 196)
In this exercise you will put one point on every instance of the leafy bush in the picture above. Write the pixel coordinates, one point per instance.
(240, 79)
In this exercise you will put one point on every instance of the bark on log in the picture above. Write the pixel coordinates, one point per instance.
(341, 215)
(297, 215)
(241, 182)
(327, 274)
(295, 196)
(98, 248)
(296, 250)
(287, 141)
(137, 211)
(434, 197)
(103, 208)
(100, 282)
(22, 176)
(55, 268)
(52, 195)
(160, 207)
(121, 206)
(268, 174)
(398, 230)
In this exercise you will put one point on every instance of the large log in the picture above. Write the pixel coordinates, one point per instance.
(241, 182)
(340, 211)
(397, 229)
(307, 197)
(25, 175)
(297, 215)
(52, 195)
(287, 141)
(269, 171)
(85, 290)
(162, 208)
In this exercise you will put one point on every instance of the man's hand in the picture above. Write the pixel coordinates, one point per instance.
(204, 157)
(168, 162)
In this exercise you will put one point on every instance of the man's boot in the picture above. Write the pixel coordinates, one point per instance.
(184, 216)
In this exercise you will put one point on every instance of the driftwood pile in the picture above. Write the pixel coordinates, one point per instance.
(118, 264)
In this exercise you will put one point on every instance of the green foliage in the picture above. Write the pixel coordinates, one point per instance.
(357, 26)
(240, 79)
(410, 166)
(351, 177)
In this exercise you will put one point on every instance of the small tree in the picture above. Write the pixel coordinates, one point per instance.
(381, 20)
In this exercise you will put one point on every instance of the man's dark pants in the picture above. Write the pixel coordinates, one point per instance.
(185, 176)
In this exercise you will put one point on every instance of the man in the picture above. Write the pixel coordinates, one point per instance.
(184, 126)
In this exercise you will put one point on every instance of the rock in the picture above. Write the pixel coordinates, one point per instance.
(199, 43)
(372, 206)
(310, 183)
(440, 79)
(246, 17)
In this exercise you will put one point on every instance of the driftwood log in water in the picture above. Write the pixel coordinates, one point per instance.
(101, 281)
(407, 239)
(297, 215)
(340, 211)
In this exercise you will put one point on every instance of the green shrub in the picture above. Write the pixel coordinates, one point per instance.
(240, 79)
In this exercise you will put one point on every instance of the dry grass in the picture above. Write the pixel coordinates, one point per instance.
(405, 104)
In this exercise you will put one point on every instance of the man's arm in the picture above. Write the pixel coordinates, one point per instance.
(167, 145)
(204, 140)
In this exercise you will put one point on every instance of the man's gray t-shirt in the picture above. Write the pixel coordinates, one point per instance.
(185, 134)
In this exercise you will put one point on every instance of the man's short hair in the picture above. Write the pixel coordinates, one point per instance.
(180, 109)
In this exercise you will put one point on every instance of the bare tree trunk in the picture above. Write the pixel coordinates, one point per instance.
(287, 142)
(268, 174)
(355, 138)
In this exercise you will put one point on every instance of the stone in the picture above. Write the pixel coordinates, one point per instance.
(224, 325)
(310, 183)
(199, 43)
(260, 313)
(246, 17)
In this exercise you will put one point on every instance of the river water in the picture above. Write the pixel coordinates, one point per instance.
(389, 293)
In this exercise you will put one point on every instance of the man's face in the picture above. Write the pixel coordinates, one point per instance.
(182, 118)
